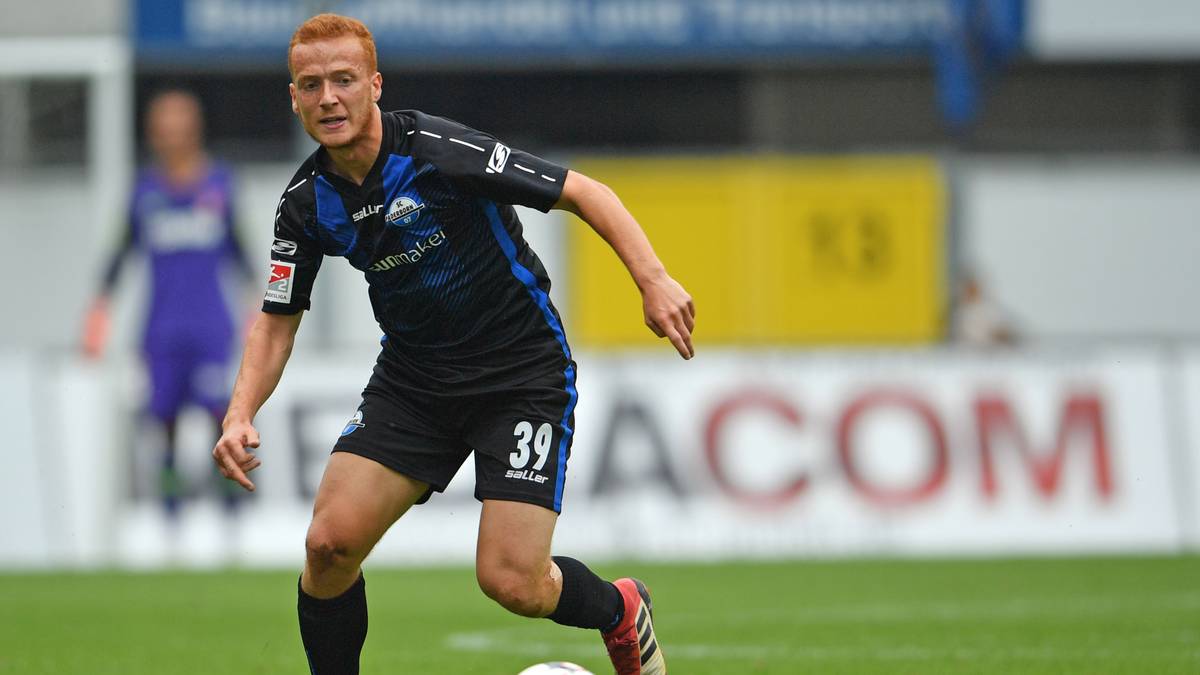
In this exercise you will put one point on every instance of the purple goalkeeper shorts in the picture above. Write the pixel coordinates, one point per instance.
(181, 377)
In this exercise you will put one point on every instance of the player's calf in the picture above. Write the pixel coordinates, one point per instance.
(586, 600)
(520, 591)
(333, 629)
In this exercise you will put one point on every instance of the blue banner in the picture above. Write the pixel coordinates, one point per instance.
(983, 36)
(555, 32)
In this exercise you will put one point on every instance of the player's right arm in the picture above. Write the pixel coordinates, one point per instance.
(268, 347)
(295, 259)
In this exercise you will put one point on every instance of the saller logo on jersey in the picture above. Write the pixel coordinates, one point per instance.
(279, 285)
(499, 159)
(284, 247)
(368, 210)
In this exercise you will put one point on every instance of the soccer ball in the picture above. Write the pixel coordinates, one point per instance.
(556, 668)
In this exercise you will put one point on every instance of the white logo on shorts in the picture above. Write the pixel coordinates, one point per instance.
(354, 424)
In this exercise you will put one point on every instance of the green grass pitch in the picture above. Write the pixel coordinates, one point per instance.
(1087, 615)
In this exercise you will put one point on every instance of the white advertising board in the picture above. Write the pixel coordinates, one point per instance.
(1185, 382)
(772, 455)
(60, 482)
(25, 528)
(935, 453)
(734, 454)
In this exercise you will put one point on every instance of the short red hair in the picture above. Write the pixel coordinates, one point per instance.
(331, 26)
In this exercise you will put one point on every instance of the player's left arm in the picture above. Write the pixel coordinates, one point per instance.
(668, 309)
(479, 164)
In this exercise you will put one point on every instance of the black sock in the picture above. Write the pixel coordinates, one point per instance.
(587, 601)
(170, 486)
(333, 630)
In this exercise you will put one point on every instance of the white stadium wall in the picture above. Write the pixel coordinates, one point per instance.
(1084, 247)
(1113, 29)
(60, 18)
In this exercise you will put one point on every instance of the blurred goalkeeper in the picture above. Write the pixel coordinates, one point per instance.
(181, 218)
(474, 357)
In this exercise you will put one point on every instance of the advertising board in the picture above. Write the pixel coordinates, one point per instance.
(623, 30)
(777, 250)
(778, 455)
(733, 455)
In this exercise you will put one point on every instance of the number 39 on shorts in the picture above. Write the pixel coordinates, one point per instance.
(541, 439)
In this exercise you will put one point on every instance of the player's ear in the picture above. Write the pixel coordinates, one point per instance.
(376, 86)
(292, 93)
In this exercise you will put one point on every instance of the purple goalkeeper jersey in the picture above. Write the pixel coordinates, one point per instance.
(188, 237)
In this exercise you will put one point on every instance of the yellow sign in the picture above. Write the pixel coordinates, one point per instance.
(774, 250)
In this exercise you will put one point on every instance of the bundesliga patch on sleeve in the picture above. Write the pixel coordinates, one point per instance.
(279, 286)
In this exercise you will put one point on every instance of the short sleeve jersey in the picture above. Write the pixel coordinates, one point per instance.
(462, 299)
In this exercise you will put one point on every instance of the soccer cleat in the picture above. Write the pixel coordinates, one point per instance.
(632, 645)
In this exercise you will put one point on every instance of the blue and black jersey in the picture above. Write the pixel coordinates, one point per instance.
(462, 299)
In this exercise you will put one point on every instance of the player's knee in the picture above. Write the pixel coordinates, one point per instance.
(326, 550)
(514, 590)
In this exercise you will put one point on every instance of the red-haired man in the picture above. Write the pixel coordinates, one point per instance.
(474, 355)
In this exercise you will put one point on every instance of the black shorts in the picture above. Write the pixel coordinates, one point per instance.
(521, 435)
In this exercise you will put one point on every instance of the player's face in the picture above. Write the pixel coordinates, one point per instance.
(174, 127)
(332, 90)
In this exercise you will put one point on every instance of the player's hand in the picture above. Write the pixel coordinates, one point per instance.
(96, 326)
(233, 458)
(670, 312)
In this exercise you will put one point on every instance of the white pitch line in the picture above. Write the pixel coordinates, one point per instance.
(1013, 608)
(518, 641)
(501, 642)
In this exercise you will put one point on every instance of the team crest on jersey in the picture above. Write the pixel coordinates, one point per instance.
(403, 211)
(354, 424)
(279, 285)
(499, 158)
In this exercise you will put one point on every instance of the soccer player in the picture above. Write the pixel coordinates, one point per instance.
(181, 217)
(474, 356)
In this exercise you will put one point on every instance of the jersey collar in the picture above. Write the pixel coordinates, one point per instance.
(372, 178)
